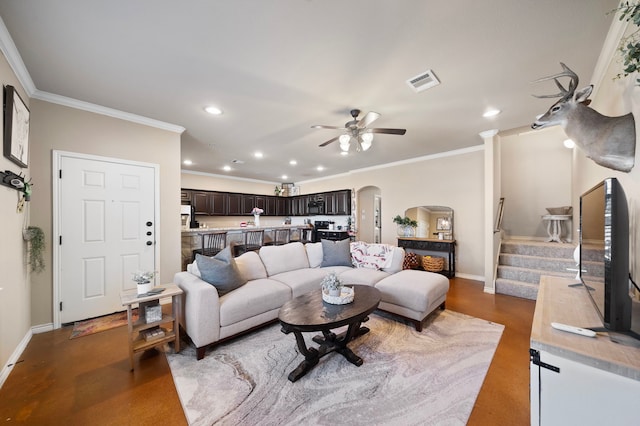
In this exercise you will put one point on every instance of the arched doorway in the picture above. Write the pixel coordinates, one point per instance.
(368, 214)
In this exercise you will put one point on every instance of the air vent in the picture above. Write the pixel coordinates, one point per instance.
(423, 81)
(237, 161)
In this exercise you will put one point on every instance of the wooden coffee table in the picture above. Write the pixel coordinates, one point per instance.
(309, 313)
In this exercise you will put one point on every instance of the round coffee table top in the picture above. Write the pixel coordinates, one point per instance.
(309, 312)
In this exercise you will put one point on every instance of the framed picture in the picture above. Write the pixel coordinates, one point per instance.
(16, 127)
(443, 224)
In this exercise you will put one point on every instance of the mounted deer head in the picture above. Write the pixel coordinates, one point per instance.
(609, 141)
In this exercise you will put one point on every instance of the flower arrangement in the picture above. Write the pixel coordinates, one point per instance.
(331, 284)
(257, 211)
(143, 277)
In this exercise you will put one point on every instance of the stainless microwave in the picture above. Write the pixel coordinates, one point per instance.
(316, 207)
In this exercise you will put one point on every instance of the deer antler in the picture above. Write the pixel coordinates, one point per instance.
(564, 93)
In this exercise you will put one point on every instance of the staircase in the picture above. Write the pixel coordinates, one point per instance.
(521, 263)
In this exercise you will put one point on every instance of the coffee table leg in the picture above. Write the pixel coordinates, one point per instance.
(311, 357)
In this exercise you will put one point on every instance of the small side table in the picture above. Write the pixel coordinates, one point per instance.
(137, 342)
(554, 226)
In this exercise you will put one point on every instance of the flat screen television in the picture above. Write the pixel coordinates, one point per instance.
(604, 253)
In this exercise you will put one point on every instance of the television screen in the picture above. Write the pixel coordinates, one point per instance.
(604, 252)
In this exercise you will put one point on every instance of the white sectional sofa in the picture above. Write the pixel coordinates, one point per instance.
(277, 274)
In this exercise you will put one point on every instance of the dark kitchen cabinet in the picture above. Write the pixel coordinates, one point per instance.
(338, 202)
(185, 196)
(261, 203)
(218, 203)
(200, 202)
(272, 206)
(300, 205)
(283, 206)
(248, 203)
(235, 205)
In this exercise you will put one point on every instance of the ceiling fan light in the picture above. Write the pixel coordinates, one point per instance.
(344, 146)
(344, 139)
(366, 138)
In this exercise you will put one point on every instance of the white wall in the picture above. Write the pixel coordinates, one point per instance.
(55, 127)
(15, 289)
(535, 174)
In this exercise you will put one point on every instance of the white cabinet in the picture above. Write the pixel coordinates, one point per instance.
(577, 379)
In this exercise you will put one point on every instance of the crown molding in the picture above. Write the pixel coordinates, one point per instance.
(10, 51)
(609, 49)
(98, 109)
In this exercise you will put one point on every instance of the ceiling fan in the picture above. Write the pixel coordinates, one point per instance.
(356, 131)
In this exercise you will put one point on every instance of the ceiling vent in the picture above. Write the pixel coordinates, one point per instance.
(237, 161)
(423, 81)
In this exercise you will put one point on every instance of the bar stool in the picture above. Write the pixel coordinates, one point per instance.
(302, 235)
(281, 236)
(253, 240)
(212, 243)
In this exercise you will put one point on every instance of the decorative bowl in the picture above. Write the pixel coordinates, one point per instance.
(346, 296)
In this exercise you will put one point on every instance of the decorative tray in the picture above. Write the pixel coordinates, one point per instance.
(346, 296)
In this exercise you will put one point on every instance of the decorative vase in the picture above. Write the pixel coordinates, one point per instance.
(144, 287)
(256, 220)
(406, 231)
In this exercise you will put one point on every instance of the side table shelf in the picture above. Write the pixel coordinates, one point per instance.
(137, 342)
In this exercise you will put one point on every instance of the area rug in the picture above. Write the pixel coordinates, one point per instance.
(408, 378)
(103, 323)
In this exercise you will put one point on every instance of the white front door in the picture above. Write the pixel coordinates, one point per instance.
(106, 231)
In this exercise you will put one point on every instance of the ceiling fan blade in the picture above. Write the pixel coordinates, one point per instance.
(369, 118)
(329, 141)
(387, 131)
(319, 126)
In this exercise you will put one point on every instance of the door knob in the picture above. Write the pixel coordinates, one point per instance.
(149, 243)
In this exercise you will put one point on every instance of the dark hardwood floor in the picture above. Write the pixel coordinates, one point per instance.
(87, 380)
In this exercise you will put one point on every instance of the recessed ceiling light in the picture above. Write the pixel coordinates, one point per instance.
(227, 168)
(568, 143)
(213, 110)
(187, 162)
(491, 113)
(258, 154)
(285, 177)
(293, 162)
(320, 168)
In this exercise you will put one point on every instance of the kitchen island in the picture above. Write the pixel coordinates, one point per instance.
(192, 240)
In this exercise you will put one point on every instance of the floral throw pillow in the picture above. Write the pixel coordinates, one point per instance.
(372, 256)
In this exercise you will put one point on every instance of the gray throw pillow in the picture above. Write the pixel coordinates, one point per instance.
(220, 271)
(336, 253)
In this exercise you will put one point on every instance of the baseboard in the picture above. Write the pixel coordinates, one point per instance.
(42, 328)
(470, 277)
(13, 359)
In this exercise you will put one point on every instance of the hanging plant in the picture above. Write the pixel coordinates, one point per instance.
(35, 237)
(630, 45)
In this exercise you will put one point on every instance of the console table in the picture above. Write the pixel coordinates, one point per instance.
(575, 379)
(430, 244)
(554, 226)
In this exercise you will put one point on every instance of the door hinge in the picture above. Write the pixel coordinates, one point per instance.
(60, 306)
(535, 358)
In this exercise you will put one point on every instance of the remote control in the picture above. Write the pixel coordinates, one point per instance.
(572, 329)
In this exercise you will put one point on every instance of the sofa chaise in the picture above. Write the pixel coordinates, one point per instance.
(277, 274)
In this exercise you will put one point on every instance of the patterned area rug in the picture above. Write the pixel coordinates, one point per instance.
(96, 325)
(407, 378)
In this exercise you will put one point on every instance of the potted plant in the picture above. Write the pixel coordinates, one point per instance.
(331, 285)
(630, 45)
(256, 212)
(143, 279)
(35, 238)
(406, 226)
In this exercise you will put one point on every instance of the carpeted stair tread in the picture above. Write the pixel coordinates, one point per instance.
(537, 262)
(528, 275)
(517, 288)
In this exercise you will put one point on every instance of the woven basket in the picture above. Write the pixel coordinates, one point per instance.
(433, 263)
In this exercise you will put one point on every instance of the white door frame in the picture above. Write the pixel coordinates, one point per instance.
(56, 165)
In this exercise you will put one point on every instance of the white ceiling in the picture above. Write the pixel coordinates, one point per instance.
(278, 67)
